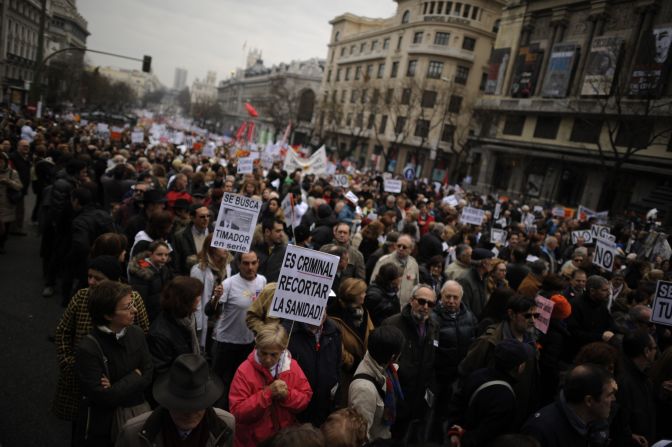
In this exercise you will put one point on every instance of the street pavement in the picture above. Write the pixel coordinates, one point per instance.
(28, 368)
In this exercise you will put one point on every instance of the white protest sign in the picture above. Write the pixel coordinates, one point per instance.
(472, 216)
(538, 209)
(531, 258)
(584, 214)
(352, 197)
(306, 277)
(235, 222)
(662, 304)
(137, 137)
(529, 220)
(498, 211)
(245, 165)
(287, 206)
(498, 236)
(558, 211)
(585, 234)
(340, 180)
(545, 308)
(604, 254)
(266, 160)
(601, 232)
(102, 128)
(393, 186)
(451, 200)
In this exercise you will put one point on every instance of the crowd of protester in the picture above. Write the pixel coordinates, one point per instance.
(429, 335)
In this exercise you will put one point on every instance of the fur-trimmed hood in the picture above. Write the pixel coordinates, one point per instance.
(141, 267)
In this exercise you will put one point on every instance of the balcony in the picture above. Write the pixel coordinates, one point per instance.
(429, 49)
(367, 55)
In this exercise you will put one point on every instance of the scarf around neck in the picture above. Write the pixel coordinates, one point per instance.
(392, 393)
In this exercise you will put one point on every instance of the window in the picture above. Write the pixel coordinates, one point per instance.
(338, 75)
(348, 119)
(401, 38)
(449, 6)
(586, 131)
(333, 95)
(362, 47)
(424, 8)
(434, 70)
(468, 43)
(369, 71)
(365, 95)
(359, 120)
(395, 69)
(439, 7)
(381, 70)
(353, 96)
(447, 133)
(514, 125)
(634, 134)
(455, 104)
(400, 125)
(428, 98)
(375, 96)
(358, 72)
(431, 7)
(383, 124)
(417, 37)
(412, 65)
(461, 75)
(458, 9)
(441, 38)
(495, 26)
(466, 11)
(474, 13)
(352, 49)
(342, 51)
(329, 76)
(484, 80)
(388, 96)
(347, 74)
(343, 93)
(371, 122)
(386, 43)
(336, 36)
(406, 96)
(547, 127)
(374, 45)
(406, 17)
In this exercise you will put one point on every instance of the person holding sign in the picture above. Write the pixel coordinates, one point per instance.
(268, 389)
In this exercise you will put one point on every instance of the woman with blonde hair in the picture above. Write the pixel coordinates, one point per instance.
(268, 389)
(213, 266)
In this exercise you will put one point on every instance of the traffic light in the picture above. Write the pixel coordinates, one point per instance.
(147, 64)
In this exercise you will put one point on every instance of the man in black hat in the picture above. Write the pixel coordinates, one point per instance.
(473, 281)
(185, 416)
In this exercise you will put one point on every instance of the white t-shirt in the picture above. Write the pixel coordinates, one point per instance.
(238, 295)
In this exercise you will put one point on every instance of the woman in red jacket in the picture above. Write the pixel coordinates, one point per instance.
(268, 390)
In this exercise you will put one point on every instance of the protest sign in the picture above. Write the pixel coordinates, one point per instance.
(545, 308)
(472, 216)
(306, 277)
(662, 304)
(498, 211)
(451, 200)
(245, 165)
(604, 254)
(393, 186)
(352, 197)
(601, 232)
(287, 206)
(316, 164)
(531, 258)
(137, 137)
(340, 180)
(235, 222)
(584, 214)
(585, 234)
(558, 211)
(498, 236)
(538, 209)
(266, 160)
(102, 128)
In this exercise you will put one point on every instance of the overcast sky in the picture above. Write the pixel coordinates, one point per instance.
(202, 35)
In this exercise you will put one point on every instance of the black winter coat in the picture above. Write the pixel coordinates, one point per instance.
(416, 363)
(636, 400)
(320, 361)
(60, 210)
(167, 340)
(148, 281)
(184, 246)
(552, 359)
(456, 334)
(123, 356)
(381, 304)
(429, 245)
(324, 231)
(589, 320)
(270, 261)
(515, 273)
(87, 225)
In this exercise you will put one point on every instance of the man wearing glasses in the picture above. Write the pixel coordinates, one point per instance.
(519, 324)
(416, 362)
(189, 241)
(403, 259)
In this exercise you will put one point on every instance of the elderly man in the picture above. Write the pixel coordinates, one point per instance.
(356, 266)
(548, 253)
(403, 259)
(473, 282)
(416, 363)
(189, 241)
(462, 262)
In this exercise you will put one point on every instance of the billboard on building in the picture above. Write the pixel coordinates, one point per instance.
(560, 70)
(652, 63)
(602, 66)
(499, 60)
(526, 71)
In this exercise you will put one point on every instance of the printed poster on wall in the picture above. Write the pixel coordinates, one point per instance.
(652, 63)
(560, 69)
(526, 71)
(499, 60)
(603, 61)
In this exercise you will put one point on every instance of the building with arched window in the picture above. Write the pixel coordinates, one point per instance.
(399, 91)
(281, 94)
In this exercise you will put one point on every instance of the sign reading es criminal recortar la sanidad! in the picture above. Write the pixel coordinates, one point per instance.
(235, 223)
(306, 277)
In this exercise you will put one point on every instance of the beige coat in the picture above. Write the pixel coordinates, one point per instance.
(410, 279)
(9, 178)
(364, 397)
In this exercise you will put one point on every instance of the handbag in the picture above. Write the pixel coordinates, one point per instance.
(121, 414)
(13, 195)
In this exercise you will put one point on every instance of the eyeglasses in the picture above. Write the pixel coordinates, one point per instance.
(529, 316)
(403, 246)
(424, 302)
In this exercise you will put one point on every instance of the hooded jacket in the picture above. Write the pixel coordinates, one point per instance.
(148, 281)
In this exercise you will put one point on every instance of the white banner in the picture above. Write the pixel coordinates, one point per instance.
(245, 165)
(316, 164)
(472, 216)
(303, 287)
(393, 186)
(604, 255)
(498, 236)
(662, 304)
(585, 234)
(235, 222)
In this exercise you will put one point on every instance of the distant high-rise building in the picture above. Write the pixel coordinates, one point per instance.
(180, 78)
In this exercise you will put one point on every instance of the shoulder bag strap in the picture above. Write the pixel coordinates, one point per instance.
(487, 385)
(371, 379)
(100, 349)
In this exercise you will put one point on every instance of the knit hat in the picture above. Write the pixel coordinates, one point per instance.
(510, 353)
(561, 309)
(324, 211)
(107, 265)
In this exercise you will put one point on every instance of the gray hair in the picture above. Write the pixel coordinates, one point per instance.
(595, 282)
(437, 229)
(422, 286)
(451, 282)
